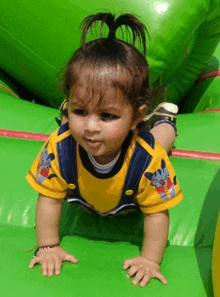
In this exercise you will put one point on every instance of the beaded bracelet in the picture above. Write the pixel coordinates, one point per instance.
(45, 248)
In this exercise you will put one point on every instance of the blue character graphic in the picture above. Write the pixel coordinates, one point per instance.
(161, 181)
(44, 166)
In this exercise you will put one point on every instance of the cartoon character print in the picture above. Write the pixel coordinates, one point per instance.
(44, 166)
(161, 181)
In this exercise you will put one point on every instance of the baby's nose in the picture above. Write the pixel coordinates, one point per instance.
(92, 124)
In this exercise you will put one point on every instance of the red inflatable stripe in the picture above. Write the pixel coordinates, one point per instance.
(9, 91)
(210, 110)
(195, 155)
(174, 152)
(208, 74)
(23, 135)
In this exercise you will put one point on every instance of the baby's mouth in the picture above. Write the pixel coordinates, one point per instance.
(93, 142)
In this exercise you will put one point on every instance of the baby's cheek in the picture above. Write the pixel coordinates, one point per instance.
(75, 126)
(116, 131)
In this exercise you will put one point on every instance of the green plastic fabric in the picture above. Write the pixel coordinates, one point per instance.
(205, 94)
(99, 271)
(41, 119)
(210, 99)
(6, 87)
(198, 132)
(26, 116)
(102, 244)
(183, 224)
(37, 38)
(205, 40)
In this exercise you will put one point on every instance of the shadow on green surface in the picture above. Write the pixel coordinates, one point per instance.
(190, 101)
(76, 221)
(206, 231)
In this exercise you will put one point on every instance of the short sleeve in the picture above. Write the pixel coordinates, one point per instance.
(44, 175)
(159, 188)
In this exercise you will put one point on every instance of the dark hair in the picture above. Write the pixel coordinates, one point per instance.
(111, 58)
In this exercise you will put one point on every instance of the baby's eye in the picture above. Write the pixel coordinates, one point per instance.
(108, 116)
(80, 112)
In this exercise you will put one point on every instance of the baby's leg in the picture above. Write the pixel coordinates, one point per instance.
(162, 124)
(165, 135)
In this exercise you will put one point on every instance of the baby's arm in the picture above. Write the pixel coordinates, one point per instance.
(47, 228)
(147, 265)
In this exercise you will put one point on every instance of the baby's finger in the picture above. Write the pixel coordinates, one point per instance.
(126, 264)
(44, 268)
(139, 275)
(58, 265)
(34, 261)
(159, 276)
(145, 280)
(132, 270)
(50, 268)
(71, 258)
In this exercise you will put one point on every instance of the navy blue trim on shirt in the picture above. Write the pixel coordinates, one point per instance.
(138, 164)
(148, 138)
(140, 160)
(66, 149)
(63, 128)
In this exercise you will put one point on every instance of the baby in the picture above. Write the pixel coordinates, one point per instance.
(102, 156)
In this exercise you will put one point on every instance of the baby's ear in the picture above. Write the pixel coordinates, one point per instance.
(139, 115)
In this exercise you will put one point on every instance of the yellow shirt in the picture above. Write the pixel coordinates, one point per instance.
(158, 188)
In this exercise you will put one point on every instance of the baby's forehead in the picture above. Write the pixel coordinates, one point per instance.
(99, 80)
(83, 95)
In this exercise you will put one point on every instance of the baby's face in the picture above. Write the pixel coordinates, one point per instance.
(100, 127)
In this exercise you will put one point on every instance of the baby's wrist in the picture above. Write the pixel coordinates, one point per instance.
(46, 247)
(149, 259)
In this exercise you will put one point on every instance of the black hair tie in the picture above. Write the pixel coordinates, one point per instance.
(112, 29)
(111, 35)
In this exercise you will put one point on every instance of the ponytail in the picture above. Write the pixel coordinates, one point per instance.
(129, 20)
(127, 67)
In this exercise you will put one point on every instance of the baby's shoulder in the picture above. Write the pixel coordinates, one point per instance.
(149, 143)
(60, 133)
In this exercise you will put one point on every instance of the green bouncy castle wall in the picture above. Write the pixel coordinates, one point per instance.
(36, 40)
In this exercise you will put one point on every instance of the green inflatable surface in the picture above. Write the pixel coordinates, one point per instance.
(36, 40)
(102, 244)
(38, 37)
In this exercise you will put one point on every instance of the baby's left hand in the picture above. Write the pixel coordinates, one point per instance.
(144, 269)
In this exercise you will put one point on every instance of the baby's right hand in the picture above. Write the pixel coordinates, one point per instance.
(51, 260)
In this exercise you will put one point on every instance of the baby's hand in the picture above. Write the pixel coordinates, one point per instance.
(144, 269)
(51, 260)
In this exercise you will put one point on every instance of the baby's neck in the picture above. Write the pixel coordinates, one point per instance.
(104, 168)
(105, 160)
